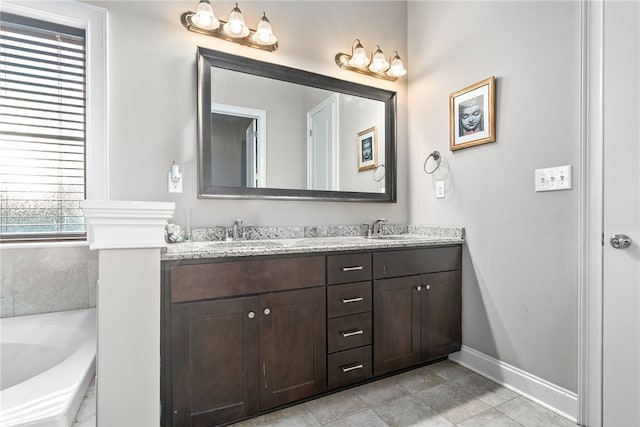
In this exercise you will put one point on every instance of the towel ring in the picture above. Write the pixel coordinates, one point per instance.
(436, 158)
(375, 173)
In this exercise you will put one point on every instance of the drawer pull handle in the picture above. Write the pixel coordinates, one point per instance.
(346, 369)
(352, 333)
(348, 300)
(358, 267)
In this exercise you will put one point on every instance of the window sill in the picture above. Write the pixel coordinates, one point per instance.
(37, 245)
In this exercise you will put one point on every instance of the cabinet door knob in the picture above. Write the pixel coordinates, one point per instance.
(428, 287)
(419, 288)
(267, 311)
(251, 315)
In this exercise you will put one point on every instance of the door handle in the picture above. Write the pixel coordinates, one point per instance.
(620, 241)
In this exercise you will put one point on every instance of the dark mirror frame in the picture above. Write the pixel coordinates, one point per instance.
(208, 58)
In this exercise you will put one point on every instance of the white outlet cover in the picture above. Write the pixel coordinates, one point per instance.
(439, 189)
(553, 179)
(174, 187)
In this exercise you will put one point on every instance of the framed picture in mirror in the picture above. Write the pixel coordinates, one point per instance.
(367, 149)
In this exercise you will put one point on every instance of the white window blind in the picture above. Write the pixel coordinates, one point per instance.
(42, 130)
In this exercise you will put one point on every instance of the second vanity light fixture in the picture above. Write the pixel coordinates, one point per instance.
(376, 66)
(204, 21)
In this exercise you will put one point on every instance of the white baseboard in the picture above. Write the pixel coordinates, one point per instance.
(557, 399)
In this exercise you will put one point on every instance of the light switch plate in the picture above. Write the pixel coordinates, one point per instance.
(439, 189)
(552, 179)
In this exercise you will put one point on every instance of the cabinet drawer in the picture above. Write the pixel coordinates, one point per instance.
(348, 367)
(348, 268)
(416, 261)
(193, 282)
(348, 332)
(352, 298)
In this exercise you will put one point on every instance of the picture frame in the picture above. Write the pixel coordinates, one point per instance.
(367, 149)
(472, 116)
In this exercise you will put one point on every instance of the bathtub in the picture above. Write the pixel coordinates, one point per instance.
(47, 361)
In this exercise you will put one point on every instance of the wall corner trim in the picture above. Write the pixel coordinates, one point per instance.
(115, 224)
(555, 398)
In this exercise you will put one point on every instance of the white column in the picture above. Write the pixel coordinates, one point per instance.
(129, 236)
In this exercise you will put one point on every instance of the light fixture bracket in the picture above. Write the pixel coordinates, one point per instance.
(342, 61)
(187, 22)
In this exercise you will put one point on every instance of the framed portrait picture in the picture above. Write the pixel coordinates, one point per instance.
(472, 116)
(367, 149)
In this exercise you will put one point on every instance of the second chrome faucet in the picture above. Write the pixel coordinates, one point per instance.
(237, 231)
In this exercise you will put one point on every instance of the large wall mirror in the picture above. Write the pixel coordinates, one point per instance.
(269, 131)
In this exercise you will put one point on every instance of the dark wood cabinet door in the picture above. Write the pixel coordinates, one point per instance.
(441, 314)
(396, 324)
(215, 366)
(292, 346)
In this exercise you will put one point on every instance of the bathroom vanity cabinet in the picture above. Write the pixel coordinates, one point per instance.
(231, 356)
(244, 335)
(417, 305)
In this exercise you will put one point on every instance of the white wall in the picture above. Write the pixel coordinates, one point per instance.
(152, 99)
(520, 270)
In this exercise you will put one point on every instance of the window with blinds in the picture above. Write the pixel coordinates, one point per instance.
(42, 130)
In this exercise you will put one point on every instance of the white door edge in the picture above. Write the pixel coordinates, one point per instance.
(590, 289)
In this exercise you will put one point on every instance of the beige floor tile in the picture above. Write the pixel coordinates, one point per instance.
(336, 406)
(489, 392)
(490, 418)
(366, 418)
(449, 371)
(419, 379)
(295, 416)
(531, 414)
(452, 403)
(409, 411)
(380, 392)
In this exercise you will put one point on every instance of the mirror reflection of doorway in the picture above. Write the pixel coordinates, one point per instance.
(239, 154)
(322, 146)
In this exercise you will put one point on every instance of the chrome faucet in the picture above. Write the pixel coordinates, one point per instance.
(237, 230)
(376, 228)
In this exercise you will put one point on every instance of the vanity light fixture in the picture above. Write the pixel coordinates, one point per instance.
(376, 66)
(204, 21)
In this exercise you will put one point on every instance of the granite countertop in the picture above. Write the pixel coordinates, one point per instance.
(416, 237)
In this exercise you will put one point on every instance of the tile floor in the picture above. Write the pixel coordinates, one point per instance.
(86, 416)
(442, 394)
